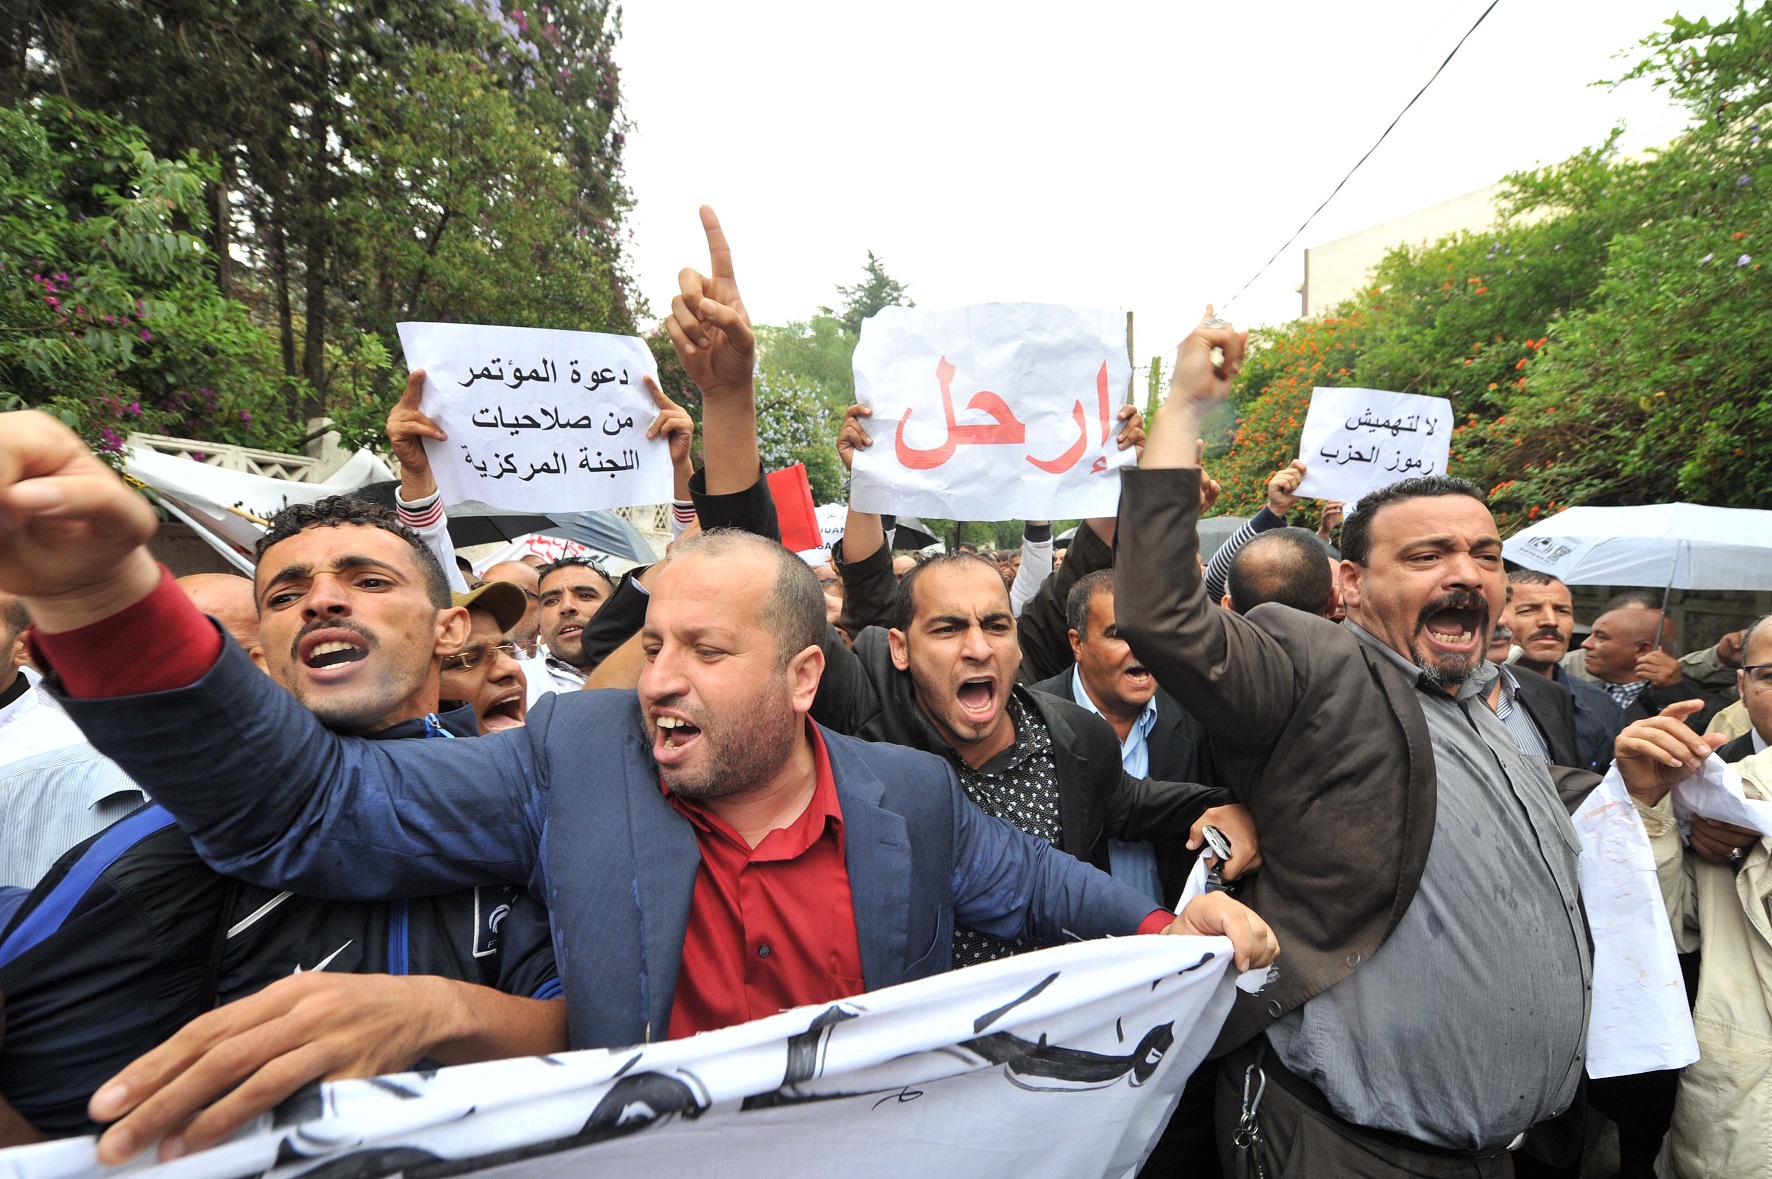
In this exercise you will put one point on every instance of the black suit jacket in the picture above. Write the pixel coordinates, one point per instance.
(1742, 746)
(1654, 699)
(1178, 753)
(1552, 710)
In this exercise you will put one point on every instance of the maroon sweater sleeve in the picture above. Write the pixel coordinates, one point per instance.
(1157, 922)
(160, 643)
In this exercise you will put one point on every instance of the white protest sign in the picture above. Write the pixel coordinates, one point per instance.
(1358, 440)
(1064, 1062)
(998, 411)
(1639, 1021)
(539, 420)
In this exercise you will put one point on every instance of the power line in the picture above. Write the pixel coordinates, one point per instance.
(1364, 158)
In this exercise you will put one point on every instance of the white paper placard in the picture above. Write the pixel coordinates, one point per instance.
(998, 411)
(1639, 1021)
(539, 420)
(1063, 1062)
(1358, 440)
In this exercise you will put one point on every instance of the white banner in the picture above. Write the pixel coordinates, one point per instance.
(1639, 1021)
(999, 411)
(539, 420)
(1063, 1063)
(1358, 440)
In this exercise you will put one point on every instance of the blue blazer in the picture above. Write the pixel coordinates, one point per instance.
(570, 806)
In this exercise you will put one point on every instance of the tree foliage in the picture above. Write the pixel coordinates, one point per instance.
(1608, 341)
(359, 163)
(876, 290)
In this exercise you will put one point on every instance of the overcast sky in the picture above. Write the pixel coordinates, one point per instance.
(1148, 156)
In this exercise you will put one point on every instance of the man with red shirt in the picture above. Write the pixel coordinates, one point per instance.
(695, 842)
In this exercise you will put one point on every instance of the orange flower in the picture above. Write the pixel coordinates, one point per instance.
(1532, 512)
(1520, 365)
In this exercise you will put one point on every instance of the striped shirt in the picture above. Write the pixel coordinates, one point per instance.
(55, 789)
(1513, 714)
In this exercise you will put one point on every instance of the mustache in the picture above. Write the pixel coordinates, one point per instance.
(1456, 600)
(356, 628)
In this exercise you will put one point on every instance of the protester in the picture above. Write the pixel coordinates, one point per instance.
(1412, 1032)
(573, 589)
(1282, 501)
(1628, 652)
(1711, 668)
(227, 598)
(864, 854)
(486, 672)
(1285, 566)
(55, 788)
(1754, 682)
(1719, 1125)
(1158, 739)
(942, 674)
(527, 633)
(132, 937)
(1543, 618)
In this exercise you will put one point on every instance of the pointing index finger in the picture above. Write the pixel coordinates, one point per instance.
(719, 253)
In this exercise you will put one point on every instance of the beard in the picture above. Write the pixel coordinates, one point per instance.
(739, 756)
(1445, 670)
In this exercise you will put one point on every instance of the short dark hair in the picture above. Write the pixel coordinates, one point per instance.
(592, 563)
(1531, 577)
(1285, 565)
(794, 610)
(1082, 596)
(1752, 629)
(904, 601)
(336, 510)
(14, 617)
(1356, 530)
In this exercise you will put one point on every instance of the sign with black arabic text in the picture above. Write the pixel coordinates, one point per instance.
(1356, 441)
(539, 420)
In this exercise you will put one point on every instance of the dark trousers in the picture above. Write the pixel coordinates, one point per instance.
(1302, 1141)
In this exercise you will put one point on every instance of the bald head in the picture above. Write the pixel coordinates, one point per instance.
(228, 598)
(1286, 565)
(792, 610)
(1622, 636)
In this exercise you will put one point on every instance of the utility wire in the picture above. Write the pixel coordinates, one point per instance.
(1364, 158)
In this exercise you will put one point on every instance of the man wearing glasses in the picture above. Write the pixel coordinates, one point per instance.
(487, 673)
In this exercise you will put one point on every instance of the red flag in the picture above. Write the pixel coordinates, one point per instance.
(792, 493)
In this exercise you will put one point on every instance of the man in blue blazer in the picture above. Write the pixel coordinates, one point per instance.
(602, 805)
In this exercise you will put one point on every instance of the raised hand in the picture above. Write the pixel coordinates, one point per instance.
(852, 437)
(1201, 377)
(708, 323)
(1282, 488)
(407, 427)
(72, 534)
(674, 424)
(1333, 510)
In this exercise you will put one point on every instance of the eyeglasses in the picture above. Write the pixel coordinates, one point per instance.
(469, 658)
(1759, 675)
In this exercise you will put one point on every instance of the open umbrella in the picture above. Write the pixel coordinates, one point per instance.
(1215, 530)
(1680, 546)
(1676, 546)
(470, 522)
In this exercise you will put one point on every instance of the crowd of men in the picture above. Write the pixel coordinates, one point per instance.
(368, 809)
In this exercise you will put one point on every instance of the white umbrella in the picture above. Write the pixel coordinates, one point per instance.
(1679, 546)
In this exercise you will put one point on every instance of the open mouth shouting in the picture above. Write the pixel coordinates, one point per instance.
(977, 698)
(331, 653)
(1456, 625)
(674, 737)
(506, 712)
(1136, 675)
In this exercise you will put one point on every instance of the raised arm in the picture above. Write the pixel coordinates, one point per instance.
(419, 501)
(711, 331)
(254, 778)
(1224, 669)
(1281, 486)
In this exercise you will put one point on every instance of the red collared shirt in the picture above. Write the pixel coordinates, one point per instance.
(772, 926)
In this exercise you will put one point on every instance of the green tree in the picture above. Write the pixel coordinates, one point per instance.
(1609, 340)
(877, 289)
(109, 316)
